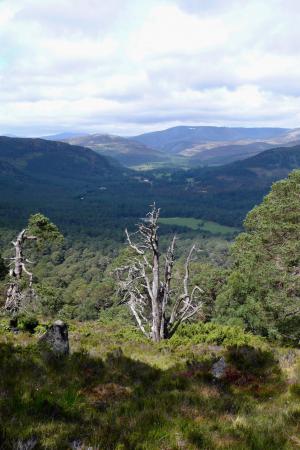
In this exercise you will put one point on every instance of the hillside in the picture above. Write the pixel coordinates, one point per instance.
(55, 177)
(213, 154)
(259, 170)
(42, 159)
(226, 193)
(126, 151)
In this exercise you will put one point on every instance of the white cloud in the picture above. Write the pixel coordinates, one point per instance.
(127, 66)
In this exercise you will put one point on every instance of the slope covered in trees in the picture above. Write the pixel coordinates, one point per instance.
(225, 194)
(56, 179)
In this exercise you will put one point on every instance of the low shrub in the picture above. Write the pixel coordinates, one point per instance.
(213, 333)
(250, 359)
(28, 323)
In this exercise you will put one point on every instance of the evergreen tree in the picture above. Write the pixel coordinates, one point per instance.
(263, 290)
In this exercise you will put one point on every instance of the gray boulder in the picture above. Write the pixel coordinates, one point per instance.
(56, 338)
(218, 368)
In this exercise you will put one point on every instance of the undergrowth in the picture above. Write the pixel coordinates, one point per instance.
(117, 391)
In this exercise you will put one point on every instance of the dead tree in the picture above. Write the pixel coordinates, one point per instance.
(39, 228)
(146, 283)
(14, 293)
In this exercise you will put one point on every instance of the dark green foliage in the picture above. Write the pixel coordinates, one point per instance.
(211, 280)
(263, 289)
(41, 227)
(50, 299)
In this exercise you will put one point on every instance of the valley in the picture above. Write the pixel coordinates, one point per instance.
(72, 184)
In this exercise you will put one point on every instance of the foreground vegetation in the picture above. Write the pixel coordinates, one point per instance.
(119, 391)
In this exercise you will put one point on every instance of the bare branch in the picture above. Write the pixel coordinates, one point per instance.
(131, 305)
(28, 273)
(133, 246)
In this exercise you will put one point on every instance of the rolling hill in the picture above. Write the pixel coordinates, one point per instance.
(126, 151)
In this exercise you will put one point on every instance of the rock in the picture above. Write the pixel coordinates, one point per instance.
(218, 368)
(288, 359)
(56, 338)
(29, 444)
(78, 445)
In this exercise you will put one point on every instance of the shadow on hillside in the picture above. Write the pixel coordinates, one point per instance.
(120, 403)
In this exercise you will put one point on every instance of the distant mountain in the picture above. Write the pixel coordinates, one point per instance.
(185, 145)
(175, 140)
(62, 136)
(126, 151)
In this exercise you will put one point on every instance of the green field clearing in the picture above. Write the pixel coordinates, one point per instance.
(198, 224)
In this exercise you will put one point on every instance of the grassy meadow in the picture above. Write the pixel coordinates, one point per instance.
(199, 224)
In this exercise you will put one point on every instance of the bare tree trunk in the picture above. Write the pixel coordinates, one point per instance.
(13, 298)
(156, 307)
(167, 288)
(14, 295)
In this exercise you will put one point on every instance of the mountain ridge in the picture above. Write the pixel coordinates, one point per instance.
(175, 139)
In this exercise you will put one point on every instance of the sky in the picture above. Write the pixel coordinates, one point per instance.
(131, 66)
